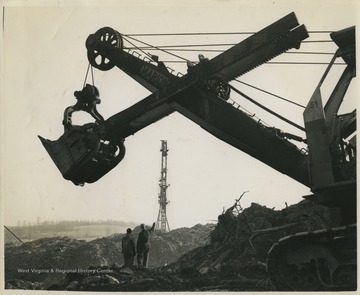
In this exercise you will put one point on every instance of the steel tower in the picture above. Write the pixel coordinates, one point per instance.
(162, 222)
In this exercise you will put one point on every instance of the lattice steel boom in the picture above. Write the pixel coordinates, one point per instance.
(162, 222)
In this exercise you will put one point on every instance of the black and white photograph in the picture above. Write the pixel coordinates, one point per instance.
(178, 146)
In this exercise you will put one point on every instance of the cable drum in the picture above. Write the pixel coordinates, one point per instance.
(106, 36)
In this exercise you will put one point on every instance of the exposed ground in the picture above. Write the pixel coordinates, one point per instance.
(230, 256)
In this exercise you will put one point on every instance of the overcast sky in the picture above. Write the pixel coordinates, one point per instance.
(44, 61)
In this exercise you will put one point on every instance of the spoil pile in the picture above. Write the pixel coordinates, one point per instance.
(242, 238)
(229, 257)
(41, 259)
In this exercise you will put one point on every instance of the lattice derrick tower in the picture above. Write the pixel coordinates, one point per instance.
(162, 222)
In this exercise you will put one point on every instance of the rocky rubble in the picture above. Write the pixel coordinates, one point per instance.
(233, 259)
(42, 263)
(240, 242)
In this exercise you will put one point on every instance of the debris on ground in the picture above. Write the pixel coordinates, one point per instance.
(54, 257)
(230, 256)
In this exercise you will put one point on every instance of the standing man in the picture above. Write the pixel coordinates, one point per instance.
(128, 248)
(143, 246)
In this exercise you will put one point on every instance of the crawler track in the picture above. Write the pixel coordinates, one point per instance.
(314, 261)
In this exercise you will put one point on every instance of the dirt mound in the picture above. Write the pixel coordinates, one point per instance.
(38, 260)
(241, 239)
(228, 257)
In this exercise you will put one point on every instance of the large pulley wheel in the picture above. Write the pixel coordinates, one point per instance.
(97, 43)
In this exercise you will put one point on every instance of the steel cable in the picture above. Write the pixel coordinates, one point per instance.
(211, 33)
(42, 258)
(172, 48)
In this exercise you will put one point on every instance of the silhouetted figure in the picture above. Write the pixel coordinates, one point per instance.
(143, 246)
(128, 248)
